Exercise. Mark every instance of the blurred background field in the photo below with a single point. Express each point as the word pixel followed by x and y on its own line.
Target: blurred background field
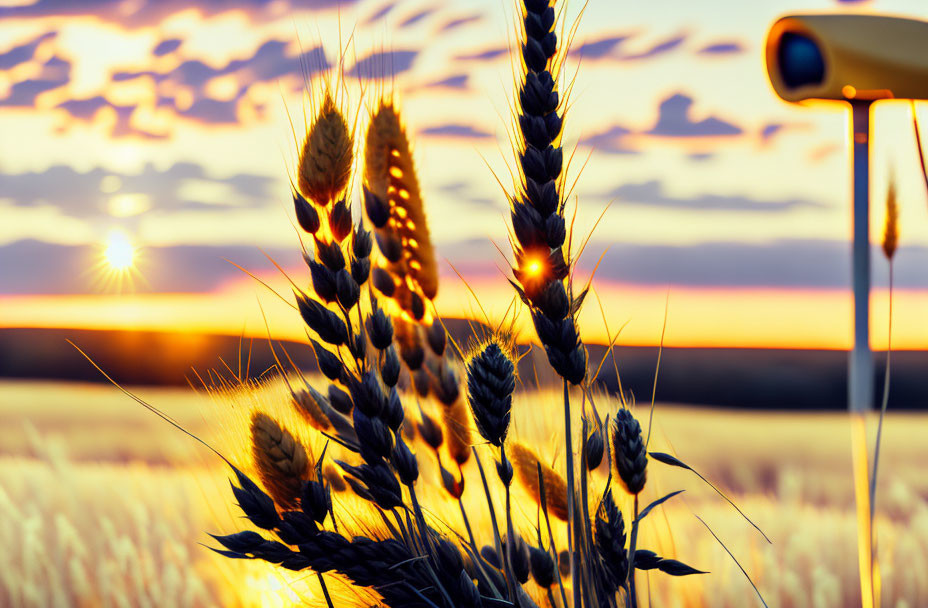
pixel 101 503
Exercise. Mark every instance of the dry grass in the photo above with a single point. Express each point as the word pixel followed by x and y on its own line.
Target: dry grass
pixel 109 505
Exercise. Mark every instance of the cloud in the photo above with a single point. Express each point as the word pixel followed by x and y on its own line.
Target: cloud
pixel 660 48
pixel 55 73
pixel 599 48
pixel 213 111
pixel 485 55
pixel 151 12
pixel 460 22
pixel 81 195
pixel 722 48
pixel 39 267
pixel 651 193
pixel 416 17
pixel 463 191
pixel 674 121
pixel 166 47
pixel 24 52
pixel 699 157
pixel 610 141
pixel 268 63
pixel 456 131
pixel 456 81
pixel 382 65
pixel 86 110
pixel 785 263
pixel 380 13
pixel 771 129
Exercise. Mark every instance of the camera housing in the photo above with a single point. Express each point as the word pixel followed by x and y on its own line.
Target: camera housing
pixel 848 57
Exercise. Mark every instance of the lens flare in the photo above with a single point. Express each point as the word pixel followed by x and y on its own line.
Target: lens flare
pixel 533 268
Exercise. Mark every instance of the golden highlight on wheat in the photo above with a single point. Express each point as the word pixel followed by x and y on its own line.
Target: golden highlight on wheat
pixel 526 463
pixel 891 228
pixel 326 157
pixel 390 175
pixel 457 422
pixel 282 462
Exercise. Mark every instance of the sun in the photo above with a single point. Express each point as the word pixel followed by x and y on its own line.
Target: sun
pixel 116 268
pixel 119 253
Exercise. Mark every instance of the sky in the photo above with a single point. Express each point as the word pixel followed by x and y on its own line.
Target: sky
pixel 161 131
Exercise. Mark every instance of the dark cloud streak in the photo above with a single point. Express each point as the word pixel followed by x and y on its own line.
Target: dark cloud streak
pixel 651 193
pixel 78 194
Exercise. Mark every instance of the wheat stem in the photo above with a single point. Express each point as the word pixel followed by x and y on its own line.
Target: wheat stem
pixel 632 594
pixel 496 537
pixel 325 591
pixel 879 428
pixel 574 582
pixel 510 540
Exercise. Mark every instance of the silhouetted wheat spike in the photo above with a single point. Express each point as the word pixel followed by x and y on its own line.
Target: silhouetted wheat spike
pixel 539 231
pixel 631 458
pixel 490 383
pixel 538 224
pixel 631 464
pixel 610 543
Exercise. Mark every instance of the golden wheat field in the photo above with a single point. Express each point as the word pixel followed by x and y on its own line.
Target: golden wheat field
pixel 103 504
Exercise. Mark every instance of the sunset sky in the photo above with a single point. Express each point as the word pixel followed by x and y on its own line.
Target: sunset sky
pixel 157 133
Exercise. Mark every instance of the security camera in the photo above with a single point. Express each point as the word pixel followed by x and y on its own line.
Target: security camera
pixel 848 57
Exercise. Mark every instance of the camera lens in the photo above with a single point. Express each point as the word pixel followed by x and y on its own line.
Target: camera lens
pixel 801 61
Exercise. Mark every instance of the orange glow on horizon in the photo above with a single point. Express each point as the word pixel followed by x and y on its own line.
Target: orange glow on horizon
pixel 698 317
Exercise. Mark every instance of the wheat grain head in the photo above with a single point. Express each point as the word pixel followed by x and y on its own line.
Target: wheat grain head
pixel 280 459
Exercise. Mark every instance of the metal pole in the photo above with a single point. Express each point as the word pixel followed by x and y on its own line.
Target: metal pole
pixel 860 376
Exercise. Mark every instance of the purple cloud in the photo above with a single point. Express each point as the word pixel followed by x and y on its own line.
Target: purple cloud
pixel 381 65
pixel 416 17
pixel 665 46
pixel 769 130
pixel 380 13
pixel 800 263
pixel 460 22
pixel 722 48
pixel 456 130
pixel 151 12
pixel 55 74
pixel 23 52
pixel 166 47
pixel 674 121
pixel 486 55
pixel 651 194
pixel 77 194
pixel 457 81
pixel 610 141
pixel 597 49
pixel 269 62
